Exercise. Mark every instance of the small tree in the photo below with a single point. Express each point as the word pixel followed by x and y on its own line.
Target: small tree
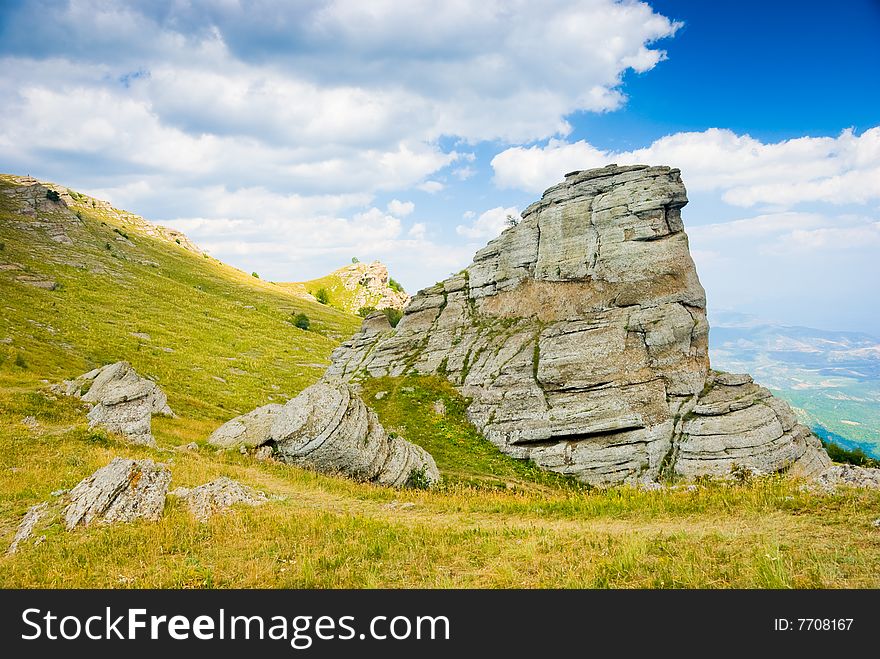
pixel 254 274
pixel 302 321
pixel 355 259
pixel 394 285
pixel 363 312
pixel 511 220
pixel 322 296
pixel 51 195
pixel 393 315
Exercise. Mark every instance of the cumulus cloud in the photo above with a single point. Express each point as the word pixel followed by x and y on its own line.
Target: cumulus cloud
pixel 489 224
pixel 745 171
pixel 400 208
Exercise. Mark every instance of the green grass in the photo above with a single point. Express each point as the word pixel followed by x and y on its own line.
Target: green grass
pixel 493 522
pixel 219 341
pixel 322 531
pixel 462 454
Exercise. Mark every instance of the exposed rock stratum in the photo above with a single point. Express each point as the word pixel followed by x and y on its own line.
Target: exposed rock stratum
pixel 328 428
pixel 580 336
pixel 123 401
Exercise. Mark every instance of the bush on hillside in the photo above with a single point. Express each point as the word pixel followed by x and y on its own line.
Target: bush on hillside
pixel 302 321
pixel 394 285
pixel 322 296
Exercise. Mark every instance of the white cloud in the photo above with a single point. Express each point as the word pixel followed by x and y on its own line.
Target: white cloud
pixel 431 187
pixel 400 208
pixel 747 172
pixel 489 224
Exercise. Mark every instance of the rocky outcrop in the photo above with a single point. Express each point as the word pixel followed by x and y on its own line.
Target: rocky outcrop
pixel 327 427
pixel 580 336
pixel 218 496
pixel 123 491
pixel 57 211
pixel 123 401
pixel 361 285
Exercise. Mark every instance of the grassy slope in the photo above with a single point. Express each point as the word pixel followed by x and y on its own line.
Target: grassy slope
pixel 220 341
pixel 495 522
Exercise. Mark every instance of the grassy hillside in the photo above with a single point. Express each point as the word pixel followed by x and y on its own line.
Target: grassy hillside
pixel 221 342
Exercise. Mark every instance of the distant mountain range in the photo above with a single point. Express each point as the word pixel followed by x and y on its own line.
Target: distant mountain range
pixel 832 378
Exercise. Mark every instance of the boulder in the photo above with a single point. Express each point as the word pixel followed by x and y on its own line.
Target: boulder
pixel 218 496
pixel 123 491
pixel 123 401
pixel 580 337
pixel 28 524
pixel 329 428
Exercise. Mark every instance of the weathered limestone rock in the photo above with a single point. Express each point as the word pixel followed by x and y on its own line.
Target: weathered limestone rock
pixel 249 430
pixel 124 402
pixel 218 496
pixel 329 428
pixel 848 476
pixel 122 491
pixel 580 336
pixel 27 525
pixel 369 285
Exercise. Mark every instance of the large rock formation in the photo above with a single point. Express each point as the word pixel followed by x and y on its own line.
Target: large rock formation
pixel 327 427
pixel 580 335
pixel 124 402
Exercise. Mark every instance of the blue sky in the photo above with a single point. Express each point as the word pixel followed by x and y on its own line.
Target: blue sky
pixel 288 137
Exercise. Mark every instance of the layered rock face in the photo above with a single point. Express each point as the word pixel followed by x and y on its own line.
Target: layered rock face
pixel 581 337
pixel 327 427
pixel 124 402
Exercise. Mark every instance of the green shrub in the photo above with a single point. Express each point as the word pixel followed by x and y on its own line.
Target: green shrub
pixel 51 195
pixel 418 479
pixel 322 296
pixel 355 259
pixel 363 312
pixel 394 285
pixel 302 321
pixel 393 315
pixel 254 274
pixel 850 456
pixel 19 361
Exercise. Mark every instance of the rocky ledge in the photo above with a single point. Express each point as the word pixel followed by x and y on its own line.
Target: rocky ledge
pixel 580 336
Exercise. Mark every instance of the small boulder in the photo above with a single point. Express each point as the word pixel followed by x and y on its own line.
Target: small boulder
pixel 218 496
pixel 124 402
pixel 122 491
pixel 26 527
